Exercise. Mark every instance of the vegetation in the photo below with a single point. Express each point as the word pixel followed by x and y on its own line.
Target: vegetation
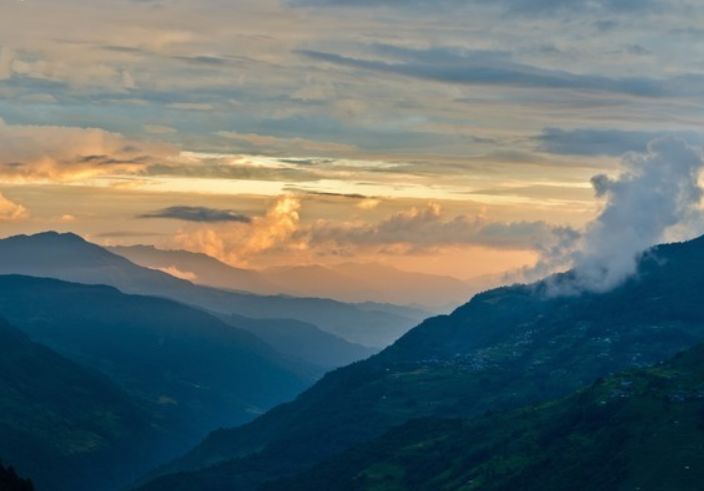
pixel 642 429
pixel 505 349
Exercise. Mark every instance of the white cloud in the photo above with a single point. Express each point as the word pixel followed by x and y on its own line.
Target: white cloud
pixel 657 192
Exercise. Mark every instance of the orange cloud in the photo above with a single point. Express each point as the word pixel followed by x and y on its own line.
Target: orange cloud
pixel 10 211
pixel 238 243
pixel 57 153
pixel 174 271
pixel 279 224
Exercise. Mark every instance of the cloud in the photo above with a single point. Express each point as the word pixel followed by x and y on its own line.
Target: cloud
pixel 237 245
pixel 7 58
pixel 157 129
pixel 10 211
pixel 198 214
pixel 279 224
pixel 254 142
pixel 174 271
pixel 465 67
pixel 59 153
pixel 657 192
pixel 232 166
pixel 528 7
pixel 610 142
pixel 426 228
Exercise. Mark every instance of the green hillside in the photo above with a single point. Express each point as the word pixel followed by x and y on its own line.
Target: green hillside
pixel 505 349
pixel 639 430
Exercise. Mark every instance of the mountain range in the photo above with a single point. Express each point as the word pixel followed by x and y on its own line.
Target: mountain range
pixel 69 257
pixel 505 349
pixel 196 371
pixel 347 282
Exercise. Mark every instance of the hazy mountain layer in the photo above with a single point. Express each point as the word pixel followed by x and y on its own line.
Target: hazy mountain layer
pixel 189 368
pixel 348 282
pixel 69 257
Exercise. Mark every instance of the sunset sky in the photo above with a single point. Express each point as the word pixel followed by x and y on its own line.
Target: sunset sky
pixel 448 136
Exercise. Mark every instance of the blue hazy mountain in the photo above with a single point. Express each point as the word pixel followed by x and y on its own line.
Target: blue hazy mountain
pixel 71 258
pixel 192 370
pixel 505 349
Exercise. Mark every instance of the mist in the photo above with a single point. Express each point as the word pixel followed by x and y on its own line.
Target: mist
pixel 657 193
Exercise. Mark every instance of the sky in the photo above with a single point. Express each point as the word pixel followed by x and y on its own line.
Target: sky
pixel 458 137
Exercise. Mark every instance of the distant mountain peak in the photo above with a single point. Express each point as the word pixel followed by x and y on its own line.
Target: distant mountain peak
pixel 52 234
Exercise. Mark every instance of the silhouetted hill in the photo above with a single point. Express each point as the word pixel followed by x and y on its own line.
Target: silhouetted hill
pixel 506 348
pixel 68 257
pixel 188 367
pixel 66 426
pixel 642 429
pixel 10 481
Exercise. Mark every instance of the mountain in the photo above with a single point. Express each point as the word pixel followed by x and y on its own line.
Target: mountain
pixel 65 425
pixel 10 481
pixel 289 336
pixel 198 268
pixel 347 282
pixel 505 349
pixel 304 341
pixel 362 282
pixel 642 429
pixel 192 370
pixel 68 257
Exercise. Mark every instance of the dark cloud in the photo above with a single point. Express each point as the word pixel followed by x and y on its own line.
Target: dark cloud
pixel 309 192
pixel 611 142
pixel 498 69
pixel 198 214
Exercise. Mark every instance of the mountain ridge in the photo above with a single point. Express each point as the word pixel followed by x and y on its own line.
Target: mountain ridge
pixel 345 282
pixel 71 258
